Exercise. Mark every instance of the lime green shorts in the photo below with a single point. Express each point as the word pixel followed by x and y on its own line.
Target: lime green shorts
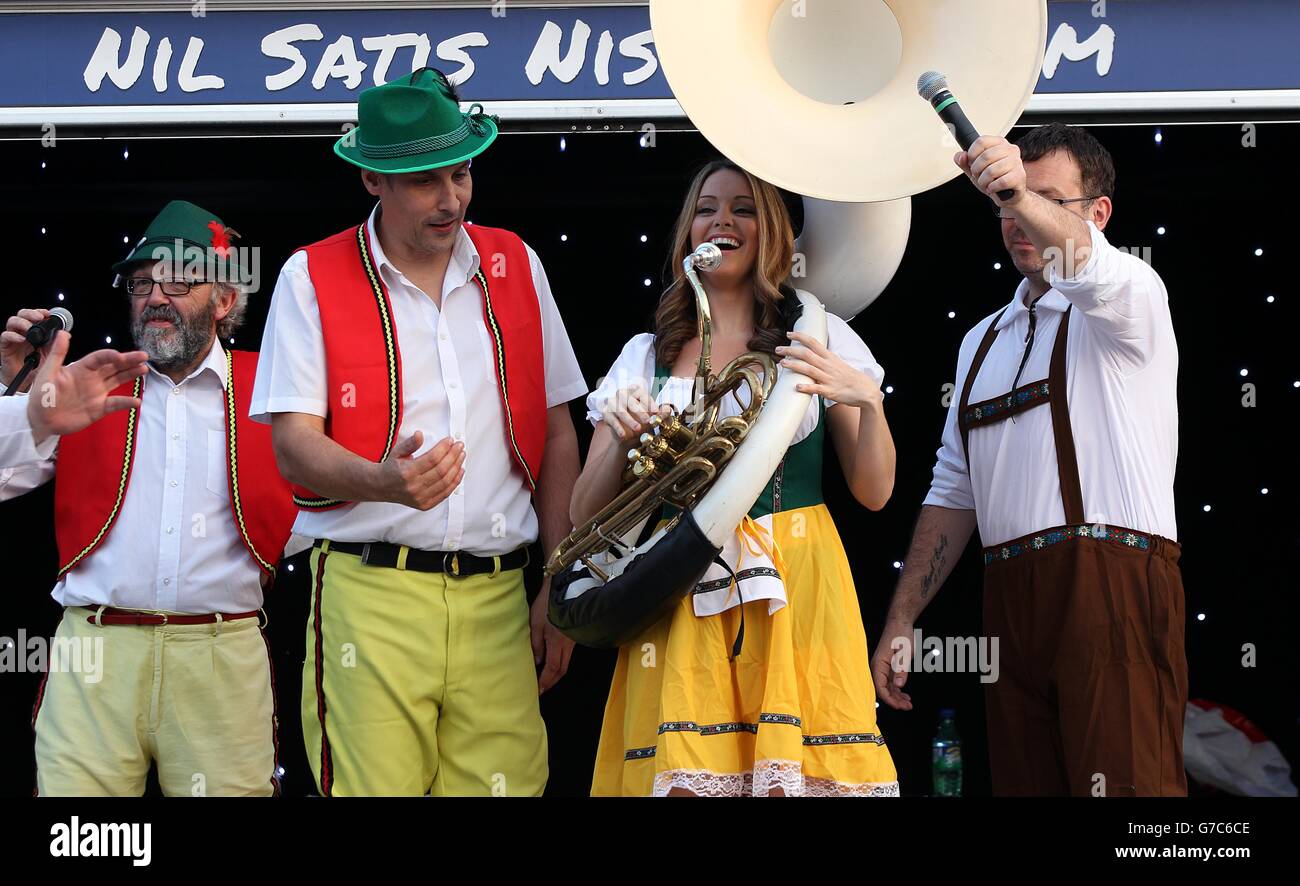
pixel 419 683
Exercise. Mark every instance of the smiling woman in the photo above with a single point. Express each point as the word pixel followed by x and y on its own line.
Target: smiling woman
pixel 764 688
pixel 757 235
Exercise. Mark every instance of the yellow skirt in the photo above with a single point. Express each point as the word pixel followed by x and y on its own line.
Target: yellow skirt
pixel 794 714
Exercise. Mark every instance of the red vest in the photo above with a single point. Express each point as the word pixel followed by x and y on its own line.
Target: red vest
pixel 363 366
pixel 95 467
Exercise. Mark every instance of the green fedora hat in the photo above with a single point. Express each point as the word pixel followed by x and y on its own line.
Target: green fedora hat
pixel 414 123
pixel 199 235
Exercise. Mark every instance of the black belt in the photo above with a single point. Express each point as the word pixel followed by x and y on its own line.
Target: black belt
pixel 455 563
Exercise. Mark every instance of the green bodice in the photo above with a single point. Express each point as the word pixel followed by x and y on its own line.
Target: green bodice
pixel 797 481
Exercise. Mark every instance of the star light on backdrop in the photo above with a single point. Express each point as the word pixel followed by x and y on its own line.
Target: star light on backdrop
pixel 625 199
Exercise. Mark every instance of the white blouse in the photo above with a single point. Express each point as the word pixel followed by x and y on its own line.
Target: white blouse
pixel 636 365
pixel 747 555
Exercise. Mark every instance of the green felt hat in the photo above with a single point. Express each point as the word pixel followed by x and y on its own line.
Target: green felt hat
pixel 414 123
pixel 188 227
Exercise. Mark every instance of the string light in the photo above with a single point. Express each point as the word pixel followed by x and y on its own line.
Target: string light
pixel 564 144
pixel 1245 372
pixel 997 266
pixel 952 315
pixel 1206 509
pixel 1161 230
pixel 647 281
pixel 1160 137
pixel 1264 491
pixel 564 238
pixel 1258 252
pixel 1270 299
pixel 898 565
pixel 644 238
pixel 1200 616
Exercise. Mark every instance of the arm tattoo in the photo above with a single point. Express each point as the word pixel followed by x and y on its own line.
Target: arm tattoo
pixel 937 561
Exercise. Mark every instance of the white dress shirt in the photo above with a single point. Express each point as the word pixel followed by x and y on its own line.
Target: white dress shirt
pixel 447 370
pixel 1122 369
pixel 636 366
pixel 175 546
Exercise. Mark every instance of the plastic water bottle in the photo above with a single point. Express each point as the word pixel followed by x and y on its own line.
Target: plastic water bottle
pixel 946 756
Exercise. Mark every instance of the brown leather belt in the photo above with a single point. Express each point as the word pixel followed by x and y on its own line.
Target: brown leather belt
pixel 107 615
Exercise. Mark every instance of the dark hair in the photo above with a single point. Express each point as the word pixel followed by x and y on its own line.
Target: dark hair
pixel 1096 168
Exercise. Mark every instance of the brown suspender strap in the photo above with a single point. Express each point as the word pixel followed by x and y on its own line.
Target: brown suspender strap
pixel 983 351
pixel 1067 462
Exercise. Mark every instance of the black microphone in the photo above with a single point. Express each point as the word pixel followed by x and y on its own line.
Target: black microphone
pixel 933 87
pixel 42 333
pixel 38 335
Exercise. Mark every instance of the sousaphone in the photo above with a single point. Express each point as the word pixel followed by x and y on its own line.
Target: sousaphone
pixel 817 97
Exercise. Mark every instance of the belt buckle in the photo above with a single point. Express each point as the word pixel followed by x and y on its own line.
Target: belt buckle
pixel 161 615
pixel 365 554
pixel 452 568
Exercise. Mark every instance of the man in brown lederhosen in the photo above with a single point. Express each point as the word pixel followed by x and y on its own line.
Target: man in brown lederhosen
pixel 1062 447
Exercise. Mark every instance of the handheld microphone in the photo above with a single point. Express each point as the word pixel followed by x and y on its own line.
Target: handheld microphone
pixel 933 87
pixel 39 335
pixel 42 333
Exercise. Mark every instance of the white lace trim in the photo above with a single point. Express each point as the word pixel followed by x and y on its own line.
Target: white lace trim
pixel 767 776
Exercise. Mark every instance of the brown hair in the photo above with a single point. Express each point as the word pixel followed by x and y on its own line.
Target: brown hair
pixel 675 318
pixel 1096 168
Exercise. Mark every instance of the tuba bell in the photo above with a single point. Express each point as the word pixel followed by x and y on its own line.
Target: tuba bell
pixel 819 99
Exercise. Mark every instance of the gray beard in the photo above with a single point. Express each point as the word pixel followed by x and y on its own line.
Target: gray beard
pixel 178 346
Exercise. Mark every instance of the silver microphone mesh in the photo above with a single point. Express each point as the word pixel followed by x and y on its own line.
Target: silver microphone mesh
pixel 65 315
pixel 930 84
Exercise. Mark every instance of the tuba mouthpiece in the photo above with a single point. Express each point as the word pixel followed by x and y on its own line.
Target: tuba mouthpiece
pixel 707 258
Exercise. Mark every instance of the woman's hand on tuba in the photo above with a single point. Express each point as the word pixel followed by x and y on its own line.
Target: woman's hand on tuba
pixel 629 411
pixel 831 377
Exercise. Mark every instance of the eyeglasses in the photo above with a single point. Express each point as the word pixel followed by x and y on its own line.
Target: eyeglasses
pixel 142 287
pixel 999 210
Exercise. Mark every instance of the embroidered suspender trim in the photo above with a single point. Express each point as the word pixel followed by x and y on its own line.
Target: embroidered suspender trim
pixel 499 351
pixel 1020 400
pixel 132 427
pixel 390 352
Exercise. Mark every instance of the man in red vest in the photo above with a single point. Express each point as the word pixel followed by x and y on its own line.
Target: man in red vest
pixel 416 374
pixel 170 518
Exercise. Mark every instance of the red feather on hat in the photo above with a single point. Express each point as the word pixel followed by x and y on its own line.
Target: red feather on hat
pixel 221 237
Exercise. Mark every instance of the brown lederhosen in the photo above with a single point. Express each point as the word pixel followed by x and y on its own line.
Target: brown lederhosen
pixel 1092 681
